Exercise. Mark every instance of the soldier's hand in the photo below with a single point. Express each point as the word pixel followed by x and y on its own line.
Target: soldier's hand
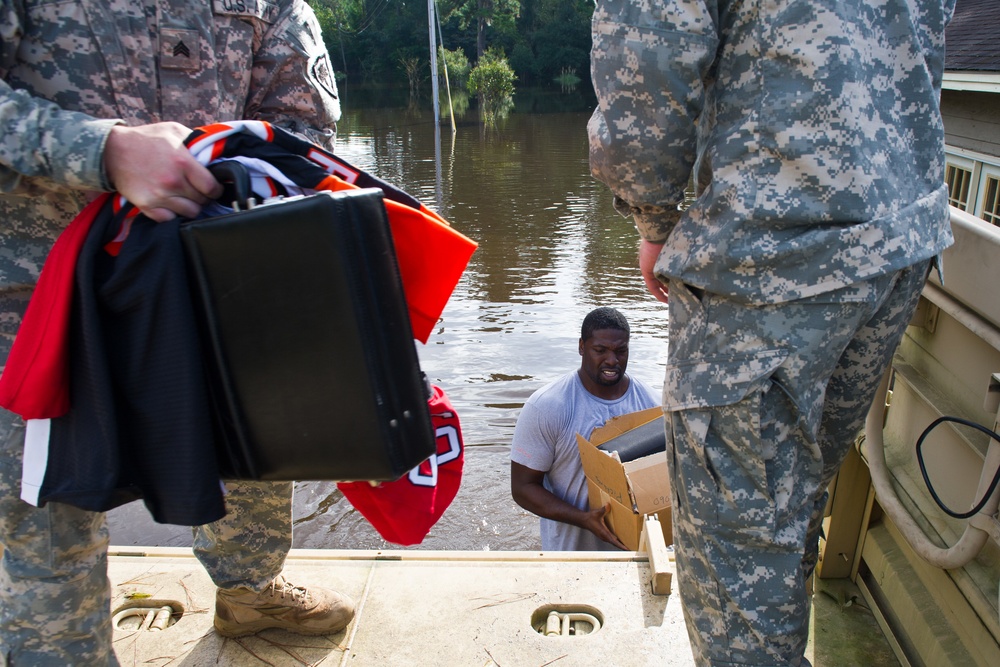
pixel 150 166
pixel 648 252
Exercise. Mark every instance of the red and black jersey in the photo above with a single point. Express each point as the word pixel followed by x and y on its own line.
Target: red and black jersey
pixel 107 365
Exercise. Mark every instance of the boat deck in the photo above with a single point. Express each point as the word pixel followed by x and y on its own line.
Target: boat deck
pixel 452 608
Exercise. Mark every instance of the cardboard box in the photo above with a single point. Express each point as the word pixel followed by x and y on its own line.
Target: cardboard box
pixel 635 488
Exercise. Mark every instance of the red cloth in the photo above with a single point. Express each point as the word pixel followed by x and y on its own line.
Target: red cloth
pixel 431 256
pixel 35 383
pixel 405 510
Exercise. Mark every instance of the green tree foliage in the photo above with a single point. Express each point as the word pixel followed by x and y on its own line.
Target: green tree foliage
pixel 374 38
pixel 553 37
pixel 483 14
pixel 338 18
pixel 492 80
pixel 368 39
pixel 338 14
pixel 458 66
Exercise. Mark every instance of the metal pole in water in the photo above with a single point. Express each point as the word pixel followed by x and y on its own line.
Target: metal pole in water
pixel 434 70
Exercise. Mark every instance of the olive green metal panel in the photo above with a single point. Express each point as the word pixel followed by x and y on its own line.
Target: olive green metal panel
pixel 944 367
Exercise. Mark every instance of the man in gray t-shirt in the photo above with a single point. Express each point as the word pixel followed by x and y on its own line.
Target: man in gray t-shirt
pixel 546 476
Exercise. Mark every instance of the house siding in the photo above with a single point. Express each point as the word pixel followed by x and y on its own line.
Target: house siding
pixel 971 121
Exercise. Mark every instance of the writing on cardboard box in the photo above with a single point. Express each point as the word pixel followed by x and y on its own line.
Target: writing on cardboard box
pixel 614 493
pixel 660 501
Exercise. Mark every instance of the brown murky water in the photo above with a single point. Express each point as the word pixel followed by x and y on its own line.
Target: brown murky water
pixel 551 249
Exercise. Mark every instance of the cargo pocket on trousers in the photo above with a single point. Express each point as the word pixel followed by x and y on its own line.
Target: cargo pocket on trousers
pixel 729 391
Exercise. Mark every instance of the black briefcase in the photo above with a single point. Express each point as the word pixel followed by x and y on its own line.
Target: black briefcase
pixel 314 370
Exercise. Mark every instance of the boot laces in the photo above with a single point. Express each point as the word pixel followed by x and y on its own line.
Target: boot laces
pixel 283 588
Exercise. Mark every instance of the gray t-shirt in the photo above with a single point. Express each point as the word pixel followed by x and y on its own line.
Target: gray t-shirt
pixel 545 440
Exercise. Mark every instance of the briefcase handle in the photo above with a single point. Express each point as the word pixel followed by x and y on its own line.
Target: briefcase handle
pixel 235 179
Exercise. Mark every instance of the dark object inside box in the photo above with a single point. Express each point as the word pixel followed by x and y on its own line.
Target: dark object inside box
pixel 315 374
pixel 643 440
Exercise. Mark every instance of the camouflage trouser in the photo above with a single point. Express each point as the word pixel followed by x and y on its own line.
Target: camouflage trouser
pixel 763 403
pixel 55 597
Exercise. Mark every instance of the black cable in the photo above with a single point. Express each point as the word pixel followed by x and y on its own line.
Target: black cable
pixel 923 469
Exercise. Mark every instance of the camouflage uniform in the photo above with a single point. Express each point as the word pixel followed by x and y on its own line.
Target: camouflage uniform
pixel 70 71
pixel 816 143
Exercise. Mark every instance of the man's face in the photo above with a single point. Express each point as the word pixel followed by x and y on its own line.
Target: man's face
pixel 605 356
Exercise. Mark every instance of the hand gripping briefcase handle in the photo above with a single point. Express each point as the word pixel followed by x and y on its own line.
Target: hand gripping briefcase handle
pixel 314 371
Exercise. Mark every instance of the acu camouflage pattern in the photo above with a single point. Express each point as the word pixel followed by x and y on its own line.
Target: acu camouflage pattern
pixel 812 126
pixel 69 71
pixel 755 435
pixel 811 133
pixel 60 589
pixel 60 577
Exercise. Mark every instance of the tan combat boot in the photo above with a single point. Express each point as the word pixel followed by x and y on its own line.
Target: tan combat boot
pixel 312 611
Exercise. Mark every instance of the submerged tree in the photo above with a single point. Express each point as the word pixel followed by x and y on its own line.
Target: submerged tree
pixel 458 66
pixel 492 80
pixel 413 68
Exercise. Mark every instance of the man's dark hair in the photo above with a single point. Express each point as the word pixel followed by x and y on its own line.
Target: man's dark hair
pixel 602 318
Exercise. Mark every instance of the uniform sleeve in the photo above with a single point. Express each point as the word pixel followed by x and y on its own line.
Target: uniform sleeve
pixel 292 80
pixel 39 139
pixel 651 62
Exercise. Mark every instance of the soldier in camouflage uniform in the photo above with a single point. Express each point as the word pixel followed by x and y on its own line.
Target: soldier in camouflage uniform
pixel 98 95
pixel 815 139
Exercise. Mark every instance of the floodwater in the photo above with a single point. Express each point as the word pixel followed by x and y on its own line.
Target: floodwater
pixel 551 248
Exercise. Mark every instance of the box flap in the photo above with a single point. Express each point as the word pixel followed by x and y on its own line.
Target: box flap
pixel 618 425
pixel 649 482
pixel 604 471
